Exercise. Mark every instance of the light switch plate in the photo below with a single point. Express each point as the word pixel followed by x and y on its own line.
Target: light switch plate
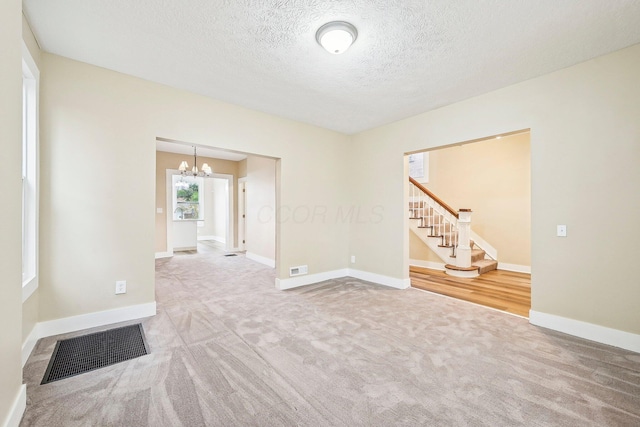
pixel 121 287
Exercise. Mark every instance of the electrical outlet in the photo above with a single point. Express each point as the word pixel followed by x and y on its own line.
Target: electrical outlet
pixel 561 231
pixel 297 271
pixel 121 287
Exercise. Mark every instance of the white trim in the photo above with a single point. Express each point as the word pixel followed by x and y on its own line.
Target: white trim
pixel 185 249
pixel 17 409
pixel 168 191
pixel 92 320
pixel 164 255
pixel 440 266
pixel 30 63
pixel 427 264
pixel 29 288
pixel 31 80
pixel 30 343
pixel 309 279
pixel 464 274
pixel 214 238
pixel 514 267
pixel 242 210
pixel 380 279
pixel 484 245
pixel 227 240
pixel 590 331
pixel 261 259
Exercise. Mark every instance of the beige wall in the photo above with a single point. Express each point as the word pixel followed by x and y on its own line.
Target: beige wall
pixel 585 153
pixel 102 125
pixel 10 218
pixel 492 178
pixel 418 251
pixel 166 161
pixel 261 207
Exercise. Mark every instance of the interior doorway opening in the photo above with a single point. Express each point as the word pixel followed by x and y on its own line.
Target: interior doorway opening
pixel 491 177
pixel 224 210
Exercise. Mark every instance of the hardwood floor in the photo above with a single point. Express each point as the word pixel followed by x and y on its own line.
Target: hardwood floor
pixel 499 289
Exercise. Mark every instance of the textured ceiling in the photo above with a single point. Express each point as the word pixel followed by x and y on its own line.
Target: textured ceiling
pixel 411 56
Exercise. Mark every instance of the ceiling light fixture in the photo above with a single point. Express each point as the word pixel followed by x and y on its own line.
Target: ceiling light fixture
pixel 336 36
pixel 184 167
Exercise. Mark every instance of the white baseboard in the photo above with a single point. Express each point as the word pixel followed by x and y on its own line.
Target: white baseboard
pixel 92 320
pixel 427 264
pixel 30 343
pixel 601 334
pixel 484 245
pixel 262 260
pixel 309 279
pixel 214 238
pixel 17 409
pixel 380 279
pixel 185 249
pixel 440 266
pixel 514 267
pixel 164 255
pixel 29 288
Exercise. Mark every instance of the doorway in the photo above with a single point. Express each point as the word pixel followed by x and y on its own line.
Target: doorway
pixel 491 177
pixel 227 214
pixel 242 213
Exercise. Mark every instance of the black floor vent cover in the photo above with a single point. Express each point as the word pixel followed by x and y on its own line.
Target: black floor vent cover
pixel 78 355
pixel 231 255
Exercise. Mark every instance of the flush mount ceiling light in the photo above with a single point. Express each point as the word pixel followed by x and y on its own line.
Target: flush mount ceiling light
pixel 184 167
pixel 336 36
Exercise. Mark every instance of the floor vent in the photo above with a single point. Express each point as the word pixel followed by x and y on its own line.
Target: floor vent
pixel 75 356
pixel 231 255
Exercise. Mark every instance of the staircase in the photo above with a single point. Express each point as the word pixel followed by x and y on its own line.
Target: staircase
pixel 447 233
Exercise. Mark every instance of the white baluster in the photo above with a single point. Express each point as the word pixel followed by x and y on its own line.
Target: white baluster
pixel 422 203
pixel 463 258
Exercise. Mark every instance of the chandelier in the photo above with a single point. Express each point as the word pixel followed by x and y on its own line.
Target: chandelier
pixel 184 167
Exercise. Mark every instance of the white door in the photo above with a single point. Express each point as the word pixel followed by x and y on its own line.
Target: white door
pixel 242 227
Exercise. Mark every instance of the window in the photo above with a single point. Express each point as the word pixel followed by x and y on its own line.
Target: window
pixel 187 198
pixel 30 77
pixel 419 167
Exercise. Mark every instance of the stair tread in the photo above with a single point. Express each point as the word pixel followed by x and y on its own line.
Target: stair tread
pixel 485 265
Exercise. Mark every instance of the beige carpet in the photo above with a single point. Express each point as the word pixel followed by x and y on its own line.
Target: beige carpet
pixel 228 349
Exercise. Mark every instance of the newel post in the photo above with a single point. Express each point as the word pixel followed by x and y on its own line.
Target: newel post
pixel 463 254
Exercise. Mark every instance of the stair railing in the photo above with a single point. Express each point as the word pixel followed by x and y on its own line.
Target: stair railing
pixel 451 226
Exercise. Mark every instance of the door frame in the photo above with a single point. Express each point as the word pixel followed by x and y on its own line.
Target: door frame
pixel 242 213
